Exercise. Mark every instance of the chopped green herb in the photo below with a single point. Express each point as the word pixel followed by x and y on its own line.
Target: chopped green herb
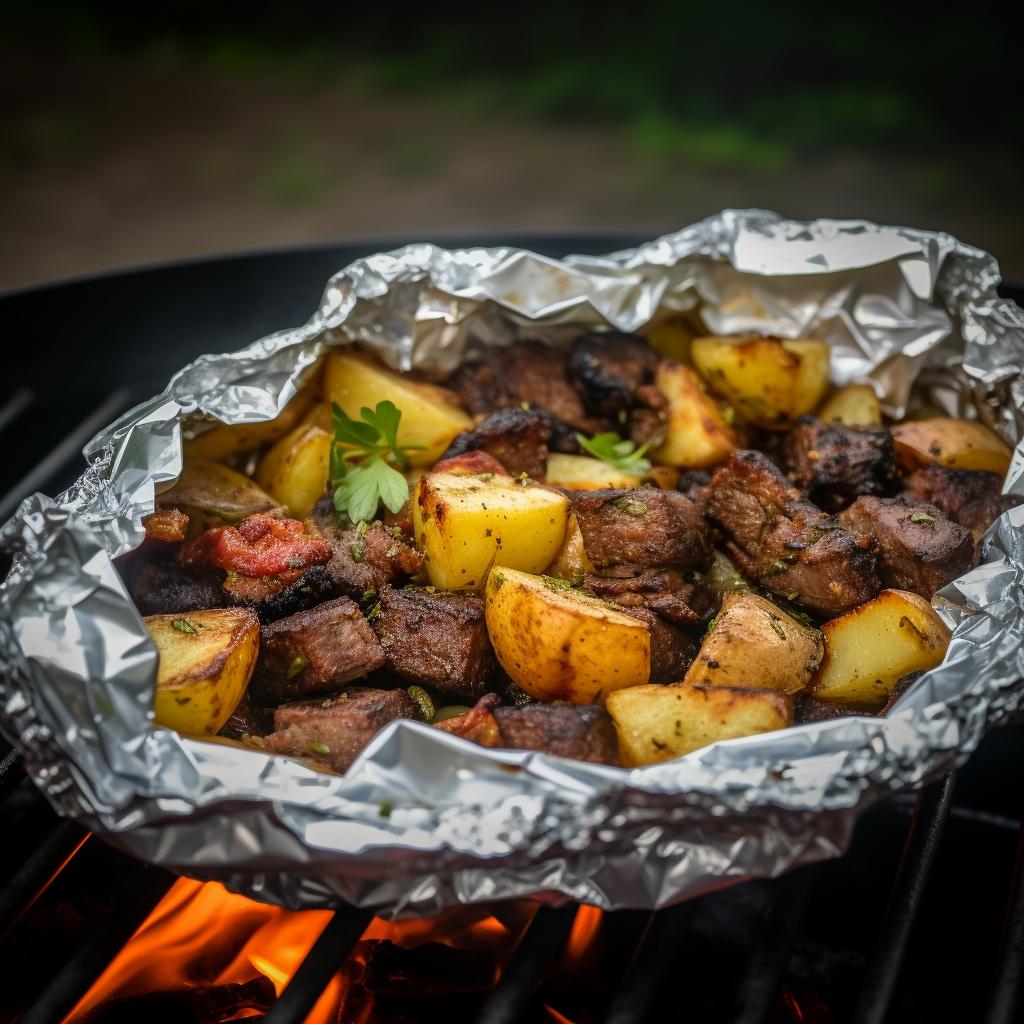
pixel 774 568
pixel 525 406
pixel 484 477
pixel 184 626
pixel 318 748
pixel 386 807
pixel 802 617
pixel 620 454
pixel 356 550
pixel 554 584
pixel 368 595
pixel 778 629
pixel 499 579
pixel 711 626
pixel 729 415
pixel 422 700
pixel 758 403
pixel 373 613
pixel 794 596
pixel 299 662
pixel 631 506
pixel 921 517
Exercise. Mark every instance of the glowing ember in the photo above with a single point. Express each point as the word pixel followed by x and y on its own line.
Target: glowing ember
pixel 556 1017
pixel 584 930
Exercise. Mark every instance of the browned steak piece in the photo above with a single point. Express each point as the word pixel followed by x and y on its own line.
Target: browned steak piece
pixel 436 638
pixel 642 526
pixel 166 588
pixel 516 437
pixel 248 719
pixel 672 651
pixel 272 600
pixel 316 651
pixel 335 730
pixel 664 591
pixel 366 558
pixel 971 497
pixel 584 733
pixel 833 463
pixel 919 548
pixel 787 544
pixel 694 484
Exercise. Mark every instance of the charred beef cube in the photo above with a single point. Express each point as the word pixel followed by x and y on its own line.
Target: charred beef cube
pixel 971 497
pixel 834 464
pixel 316 651
pixel 664 591
pixel 516 437
pixel 919 548
pixel 335 730
pixel 248 719
pixel 367 558
pixel 272 599
pixel 436 638
pixel 694 484
pixel 787 544
pixel 166 588
pixel 584 733
pixel 672 651
pixel 644 527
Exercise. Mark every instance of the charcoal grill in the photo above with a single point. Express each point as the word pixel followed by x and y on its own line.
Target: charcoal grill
pixel 923 920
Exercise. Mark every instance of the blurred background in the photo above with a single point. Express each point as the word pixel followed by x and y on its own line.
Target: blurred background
pixel 139 132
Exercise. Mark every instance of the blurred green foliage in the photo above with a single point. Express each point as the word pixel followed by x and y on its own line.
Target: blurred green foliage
pixel 745 85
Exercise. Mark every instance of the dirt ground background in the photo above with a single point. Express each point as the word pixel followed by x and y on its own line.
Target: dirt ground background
pixel 109 162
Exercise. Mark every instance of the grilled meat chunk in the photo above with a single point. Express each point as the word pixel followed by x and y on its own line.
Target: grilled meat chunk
pixel 644 527
pixel 833 463
pixel 787 544
pixel 273 598
pixel 919 548
pixel 436 638
pixel 584 733
pixel 313 652
pixel 664 591
pixel 672 651
pixel 366 559
pixel 335 730
pixel 166 588
pixel 971 497
pixel 516 437
pixel 694 484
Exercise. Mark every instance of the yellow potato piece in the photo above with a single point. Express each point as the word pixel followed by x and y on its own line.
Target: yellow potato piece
pixel 960 444
pixel 295 469
pixel 769 382
pixel 562 644
pixel 466 524
pixel 754 643
pixel 431 415
pixel 672 338
pixel 659 723
pixel 855 405
pixel 698 435
pixel 583 473
pixel 212 494
pixel 869 649
pixel 206 659
pixel 572 561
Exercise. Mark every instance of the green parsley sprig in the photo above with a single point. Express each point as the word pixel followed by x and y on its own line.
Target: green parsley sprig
pixel 621 454
pixel 367 461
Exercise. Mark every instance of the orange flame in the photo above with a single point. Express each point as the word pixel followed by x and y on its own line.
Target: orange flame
pixel 556 1017
pixel 584 929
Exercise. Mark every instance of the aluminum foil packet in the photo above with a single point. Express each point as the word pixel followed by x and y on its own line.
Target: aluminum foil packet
pixel 424 819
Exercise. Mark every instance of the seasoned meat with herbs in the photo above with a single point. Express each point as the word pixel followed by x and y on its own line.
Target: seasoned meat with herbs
pixel 833 463
pixel 664 591
pixel 642 526
pixel 672 651
pixel 274 597
pixel 694 484
pixel 368 557
pixel 313 652
pixel 971 497
pixel 919 548
pixel 516 437
pixel 787 544
pixel 166 588
pixel 436 638
pixel 335 730
pixel 582 732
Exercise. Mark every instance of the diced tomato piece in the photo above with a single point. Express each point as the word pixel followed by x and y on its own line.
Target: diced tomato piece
pixel 258 546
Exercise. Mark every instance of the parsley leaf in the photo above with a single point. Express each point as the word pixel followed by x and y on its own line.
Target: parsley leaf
pixel 622 455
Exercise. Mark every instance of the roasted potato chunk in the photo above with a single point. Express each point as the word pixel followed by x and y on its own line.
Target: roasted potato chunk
pixel 769 382
pixel 557 643
pixel 698 435
pixel 659 723
pixel 855 405
pixel 206 659
pixel 295 470
pixel 572 560
pixel 869 649
pixel 466 524
pixel 959 444
pixel 582 473
pixel 754 643
pixel 672 338
pixel 431 415
pixel 213 495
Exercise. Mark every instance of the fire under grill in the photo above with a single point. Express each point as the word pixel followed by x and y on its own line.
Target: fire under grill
pixel 923 920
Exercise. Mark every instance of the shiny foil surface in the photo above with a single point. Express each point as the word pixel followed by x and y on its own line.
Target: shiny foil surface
pixel 424 819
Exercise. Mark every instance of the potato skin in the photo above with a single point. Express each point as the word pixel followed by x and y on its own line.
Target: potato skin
pixel 211 495
pixel 572 561
pixel 870 648
pixel 855 405
pixel 295 470
pixel 770 382
pixel 697 436
pixel 959 444
pixel 659 723
pixel 206 659
pixel 754 643
pixel 560 644
pixel 465 524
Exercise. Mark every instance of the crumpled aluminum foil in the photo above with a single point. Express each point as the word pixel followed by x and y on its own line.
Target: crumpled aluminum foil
pixel 424 819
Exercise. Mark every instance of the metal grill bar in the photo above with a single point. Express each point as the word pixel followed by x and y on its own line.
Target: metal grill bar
pixel 12 772
pixel 911 880
pixel 320 965
pixel 15 406
pixel 149 888
pixel 33 877
pixel 1005 995
pixel 543 942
